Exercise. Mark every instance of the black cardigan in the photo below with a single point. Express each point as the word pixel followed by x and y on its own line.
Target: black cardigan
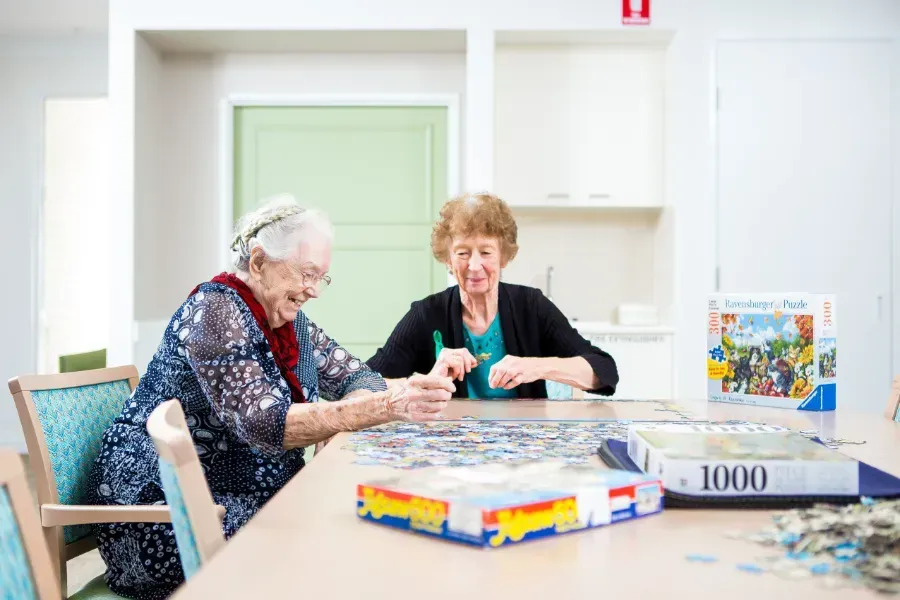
pixel 532 326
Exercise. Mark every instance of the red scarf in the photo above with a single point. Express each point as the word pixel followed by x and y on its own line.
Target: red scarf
pixel 282 340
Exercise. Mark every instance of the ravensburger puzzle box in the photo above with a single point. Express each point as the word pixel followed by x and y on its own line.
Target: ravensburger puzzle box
pixel 773 350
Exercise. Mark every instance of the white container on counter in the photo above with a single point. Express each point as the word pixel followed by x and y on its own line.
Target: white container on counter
pixel 637 314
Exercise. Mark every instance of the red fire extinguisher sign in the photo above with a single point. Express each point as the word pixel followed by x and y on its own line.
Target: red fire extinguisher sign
pixel 635 12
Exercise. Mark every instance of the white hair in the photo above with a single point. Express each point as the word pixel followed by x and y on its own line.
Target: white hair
pixel 278 226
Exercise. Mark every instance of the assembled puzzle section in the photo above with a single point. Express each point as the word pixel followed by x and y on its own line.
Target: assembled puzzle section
pixel 773 350
pixel 496 505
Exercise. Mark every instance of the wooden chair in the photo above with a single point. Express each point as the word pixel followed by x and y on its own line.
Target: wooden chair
pixel 63 418
pixel 892 410
pixel 85 361
pixel 26 571
pixel 198 527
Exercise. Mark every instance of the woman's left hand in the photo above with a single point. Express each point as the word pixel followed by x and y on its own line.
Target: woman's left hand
pixel 511 371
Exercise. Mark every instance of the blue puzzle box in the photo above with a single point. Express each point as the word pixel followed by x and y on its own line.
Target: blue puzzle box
pixel 776 350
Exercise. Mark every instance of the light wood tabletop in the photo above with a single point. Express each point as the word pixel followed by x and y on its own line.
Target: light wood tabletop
pixel 308 542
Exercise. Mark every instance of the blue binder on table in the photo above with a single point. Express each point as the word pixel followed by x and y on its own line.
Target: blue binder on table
pixel 873 483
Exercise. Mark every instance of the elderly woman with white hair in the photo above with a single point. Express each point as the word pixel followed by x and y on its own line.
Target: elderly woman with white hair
pixel 249 369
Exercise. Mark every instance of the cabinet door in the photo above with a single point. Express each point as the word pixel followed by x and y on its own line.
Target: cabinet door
pixel 617 108
pixel 533 126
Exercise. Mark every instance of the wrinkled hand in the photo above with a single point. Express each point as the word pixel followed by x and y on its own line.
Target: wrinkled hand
pixel 420 398
pixel 511 371
pixel 454 363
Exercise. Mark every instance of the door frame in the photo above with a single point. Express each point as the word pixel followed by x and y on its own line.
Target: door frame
pixel 226 139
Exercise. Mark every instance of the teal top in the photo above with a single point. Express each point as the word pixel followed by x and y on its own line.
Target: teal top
pixel 491 342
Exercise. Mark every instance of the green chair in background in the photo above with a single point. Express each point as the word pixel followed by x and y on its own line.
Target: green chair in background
pixel 85 361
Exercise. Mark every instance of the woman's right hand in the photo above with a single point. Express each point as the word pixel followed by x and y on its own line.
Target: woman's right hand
pixel 454 363
pixel 420 398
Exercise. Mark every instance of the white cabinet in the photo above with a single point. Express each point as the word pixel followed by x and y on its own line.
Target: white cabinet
pixel 643 355
pixel 580 125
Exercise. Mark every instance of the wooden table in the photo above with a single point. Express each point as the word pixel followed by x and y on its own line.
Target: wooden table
pixel 307 541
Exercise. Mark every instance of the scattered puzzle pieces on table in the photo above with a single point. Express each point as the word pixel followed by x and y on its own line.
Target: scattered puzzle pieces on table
pixel 470 441
pixel 839 546
pixel 702 558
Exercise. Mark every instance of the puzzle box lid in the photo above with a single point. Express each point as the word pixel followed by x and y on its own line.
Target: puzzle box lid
pixel 498 485
pixel 693 442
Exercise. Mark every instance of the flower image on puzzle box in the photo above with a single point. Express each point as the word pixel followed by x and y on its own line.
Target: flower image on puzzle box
pixel 768 354
pixel 827 358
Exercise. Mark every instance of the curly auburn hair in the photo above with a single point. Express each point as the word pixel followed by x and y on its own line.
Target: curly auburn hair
pixel 480 214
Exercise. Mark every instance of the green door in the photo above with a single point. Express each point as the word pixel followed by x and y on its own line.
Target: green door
pixel 380 173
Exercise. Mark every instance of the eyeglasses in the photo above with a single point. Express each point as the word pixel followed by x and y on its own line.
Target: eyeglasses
pixel 313 280
pixel 308 278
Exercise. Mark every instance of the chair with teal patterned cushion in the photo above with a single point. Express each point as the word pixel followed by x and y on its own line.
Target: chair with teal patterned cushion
pixel 563 391
pixel 26 571
pixel 195 517
pixel 892 410
pixel 63 418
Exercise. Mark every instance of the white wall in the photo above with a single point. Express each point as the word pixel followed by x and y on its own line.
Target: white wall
pixel 689 149
pixel 32 68
pixel 183 203
pixel 588 283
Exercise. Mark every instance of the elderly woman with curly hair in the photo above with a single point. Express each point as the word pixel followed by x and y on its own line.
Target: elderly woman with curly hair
pixel 500 340
pixel 249 369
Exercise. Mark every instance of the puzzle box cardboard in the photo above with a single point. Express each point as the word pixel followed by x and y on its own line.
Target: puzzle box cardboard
pixel 775 350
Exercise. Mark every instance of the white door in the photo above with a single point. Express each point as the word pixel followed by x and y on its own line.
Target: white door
pixel 804 189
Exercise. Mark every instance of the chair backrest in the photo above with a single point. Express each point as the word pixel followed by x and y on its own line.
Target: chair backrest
pixel 198 531
pixel 85 361
pixel 26 570
pixel 63 418
pixel 892 410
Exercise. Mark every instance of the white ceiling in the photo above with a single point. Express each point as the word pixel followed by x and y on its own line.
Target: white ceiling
pixel 53 16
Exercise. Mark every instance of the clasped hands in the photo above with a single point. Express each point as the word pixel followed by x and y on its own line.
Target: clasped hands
pixel 507 373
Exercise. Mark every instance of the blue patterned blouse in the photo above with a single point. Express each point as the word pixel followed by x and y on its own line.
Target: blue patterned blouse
pixel 216 360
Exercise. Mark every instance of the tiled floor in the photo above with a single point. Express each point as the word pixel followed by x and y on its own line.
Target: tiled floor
pixel 81 569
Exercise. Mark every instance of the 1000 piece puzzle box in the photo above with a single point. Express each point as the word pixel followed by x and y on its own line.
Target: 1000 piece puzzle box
pixel 773 350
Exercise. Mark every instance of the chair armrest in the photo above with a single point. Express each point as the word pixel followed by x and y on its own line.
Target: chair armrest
pixel 54 515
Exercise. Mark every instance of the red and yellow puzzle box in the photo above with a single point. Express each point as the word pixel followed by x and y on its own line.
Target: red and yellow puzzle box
pixel 493 505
